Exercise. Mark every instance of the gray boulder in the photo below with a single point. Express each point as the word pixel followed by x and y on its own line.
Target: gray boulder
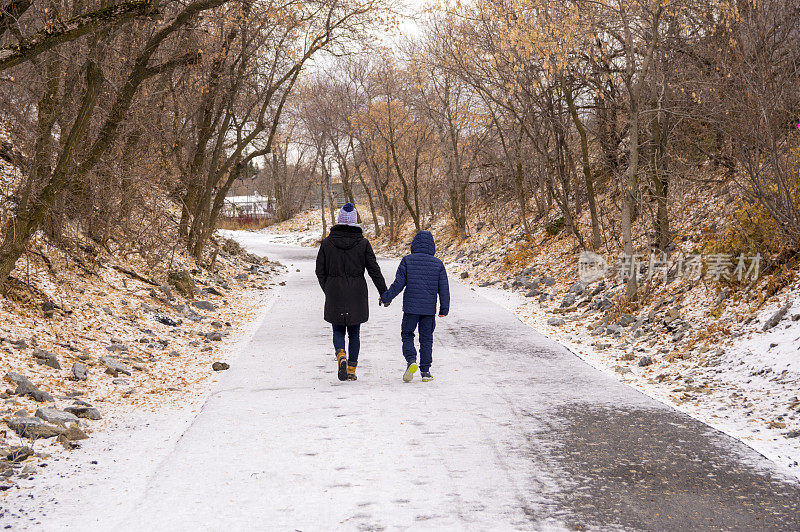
pixel 548 281
pixel 80 371
pixel 464 275
pixel 577 288
pixel 568 300
pixel 555 322
pixel 33 427
pixel 55 416
pixel 46 358
pixel 778 316
pixel 626 319
pixel 189 313
pixel 86 412
pixel 19 344
pixel 28 388
pixel 19 454
pixel 600 302
pixel 205 305
pixel 117 348
pixel 16 378
pixel 166 290
pixel 73 433
pixel 645 361
pixel 114 366
pixel 520 280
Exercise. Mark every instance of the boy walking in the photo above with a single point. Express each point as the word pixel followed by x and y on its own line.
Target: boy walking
pixel 424 278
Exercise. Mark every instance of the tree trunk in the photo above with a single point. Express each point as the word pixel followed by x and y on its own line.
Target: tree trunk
pixel 521 197
pixel 370 200
pixel 628 198
pixel 322 203
pixel 71 29
pixel 587 169
pixel 27 220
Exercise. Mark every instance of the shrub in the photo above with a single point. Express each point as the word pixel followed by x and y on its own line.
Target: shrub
pixel 231 246
pixel 553 227
pixel 751 229
pixel 520 255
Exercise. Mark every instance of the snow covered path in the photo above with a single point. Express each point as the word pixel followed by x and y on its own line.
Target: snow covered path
pixel 515 432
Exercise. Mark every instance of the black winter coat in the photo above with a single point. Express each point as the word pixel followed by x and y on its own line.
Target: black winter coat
pixel 343 256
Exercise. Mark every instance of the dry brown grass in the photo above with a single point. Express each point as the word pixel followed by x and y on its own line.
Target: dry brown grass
pixel 244 223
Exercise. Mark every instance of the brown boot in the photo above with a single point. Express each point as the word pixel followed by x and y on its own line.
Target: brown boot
pixel 341 362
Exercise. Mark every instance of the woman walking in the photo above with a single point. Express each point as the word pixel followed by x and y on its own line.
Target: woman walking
pixel 343 256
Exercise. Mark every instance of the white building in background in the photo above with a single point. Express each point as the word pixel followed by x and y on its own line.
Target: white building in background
pixel 255 205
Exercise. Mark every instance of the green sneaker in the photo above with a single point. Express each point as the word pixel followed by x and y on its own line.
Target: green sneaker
pixel 426 376
pixel 410 370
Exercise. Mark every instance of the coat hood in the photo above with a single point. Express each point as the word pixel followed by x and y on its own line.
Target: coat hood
pixel 345 236
pixel 423 243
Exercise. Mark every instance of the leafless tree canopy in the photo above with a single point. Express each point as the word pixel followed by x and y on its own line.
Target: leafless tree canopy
pixel 133 120
pixel 537 105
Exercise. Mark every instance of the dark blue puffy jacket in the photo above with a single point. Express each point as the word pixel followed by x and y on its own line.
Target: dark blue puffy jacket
pixel 423 276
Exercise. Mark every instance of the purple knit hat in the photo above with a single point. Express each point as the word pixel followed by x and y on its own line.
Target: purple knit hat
pixel 348 215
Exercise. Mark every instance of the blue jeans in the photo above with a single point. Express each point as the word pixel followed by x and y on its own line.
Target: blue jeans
pixel 426 325
pixel 354 344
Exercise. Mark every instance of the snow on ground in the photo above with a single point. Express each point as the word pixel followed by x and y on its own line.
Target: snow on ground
pixel 100 479
pixel 750 393
pixel 514 433
pixel 305 229
pixel 727 373
pixel 167 342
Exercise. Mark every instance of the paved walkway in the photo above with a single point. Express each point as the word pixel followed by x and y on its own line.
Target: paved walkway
pixel 515 432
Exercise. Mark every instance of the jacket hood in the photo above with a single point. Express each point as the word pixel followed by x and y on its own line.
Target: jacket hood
pixel 345 236
pixel 423 243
